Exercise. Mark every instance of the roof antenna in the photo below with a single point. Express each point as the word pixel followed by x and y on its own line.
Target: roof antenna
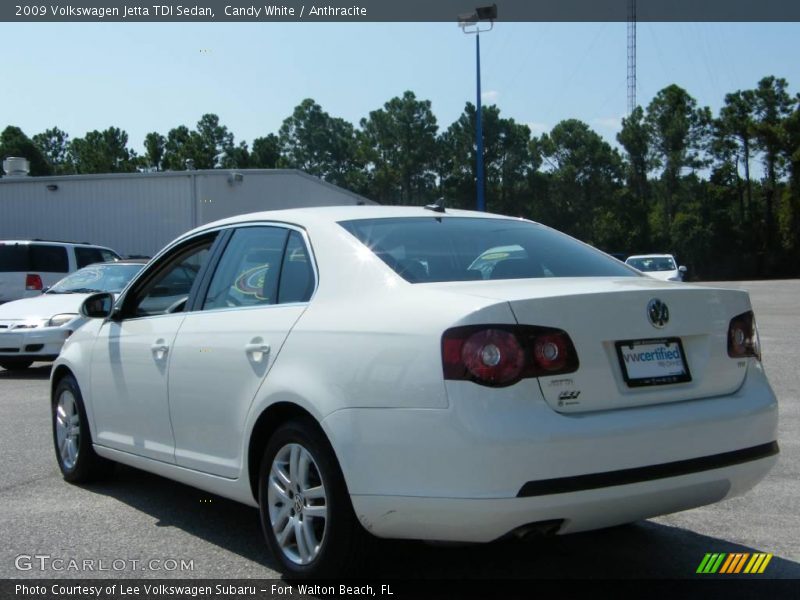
pixel 437 206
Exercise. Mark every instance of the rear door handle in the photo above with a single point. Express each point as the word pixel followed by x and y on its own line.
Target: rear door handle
pixel 159 349
pixel 257 350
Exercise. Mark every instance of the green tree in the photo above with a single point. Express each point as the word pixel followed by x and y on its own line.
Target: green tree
pixel 154 149
pixel 789 216
pixel 508 165
pixel 679 134
pixel 635 138
pixel 585 178
pixel 204 148
pixel 313 141
pixel 734 131
pixel 53 143
pixel 103 152
pixel 507 161
pixel 237 157
pixel 214 142
pixel 14 142
pixel 266 152
pixel 181 146
pixel 773 105
pixel 398 145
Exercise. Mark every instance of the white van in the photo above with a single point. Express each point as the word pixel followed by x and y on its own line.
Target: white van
pixel 29 266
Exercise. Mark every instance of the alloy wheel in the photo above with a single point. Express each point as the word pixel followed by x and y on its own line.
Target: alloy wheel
pixel 298 504
pixel 68 429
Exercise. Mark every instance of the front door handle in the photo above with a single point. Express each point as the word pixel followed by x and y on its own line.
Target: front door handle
pixel 159 349
pixel 257 350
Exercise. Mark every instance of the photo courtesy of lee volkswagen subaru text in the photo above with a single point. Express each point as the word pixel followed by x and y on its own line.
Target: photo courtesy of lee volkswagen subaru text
pixel 420 373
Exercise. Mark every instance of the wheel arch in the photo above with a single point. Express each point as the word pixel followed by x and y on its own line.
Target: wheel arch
pixel 59 372
pixel 272 417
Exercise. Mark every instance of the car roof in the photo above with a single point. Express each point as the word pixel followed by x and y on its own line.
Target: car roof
pixel 54 243
pixel 334 214
pixel 650 256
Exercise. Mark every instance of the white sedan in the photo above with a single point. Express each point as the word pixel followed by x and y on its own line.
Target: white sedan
pixel 34 329
pixel 659 266
pixel 347 372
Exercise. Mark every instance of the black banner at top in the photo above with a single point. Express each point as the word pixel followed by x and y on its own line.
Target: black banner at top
pixel 255 11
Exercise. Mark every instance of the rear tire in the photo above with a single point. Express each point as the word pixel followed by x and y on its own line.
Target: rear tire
pixel 71 436
pixel 306 513
pixel 15 364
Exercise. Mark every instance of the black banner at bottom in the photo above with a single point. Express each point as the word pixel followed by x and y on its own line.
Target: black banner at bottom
pixel 276 589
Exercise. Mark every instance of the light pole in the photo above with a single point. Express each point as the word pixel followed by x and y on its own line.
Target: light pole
pixel 470 23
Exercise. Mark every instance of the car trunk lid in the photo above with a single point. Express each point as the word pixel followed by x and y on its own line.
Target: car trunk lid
pixel 600 313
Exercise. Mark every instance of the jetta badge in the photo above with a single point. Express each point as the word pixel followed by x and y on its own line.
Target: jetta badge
pixel 658 313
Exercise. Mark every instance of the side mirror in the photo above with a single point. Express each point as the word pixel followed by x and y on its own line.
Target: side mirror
pixel 98 306
pixel 682 269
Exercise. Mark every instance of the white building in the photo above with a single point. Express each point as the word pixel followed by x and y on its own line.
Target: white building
pixel 138 213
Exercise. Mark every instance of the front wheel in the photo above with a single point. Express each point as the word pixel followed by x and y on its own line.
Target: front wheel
pixel 306 513
pixel 73 443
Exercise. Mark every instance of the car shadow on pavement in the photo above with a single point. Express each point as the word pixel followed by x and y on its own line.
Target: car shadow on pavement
pixel 219 521
pixel 645 549
pixel 37 371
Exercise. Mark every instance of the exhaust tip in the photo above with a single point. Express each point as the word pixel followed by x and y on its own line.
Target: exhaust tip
pixel 537 530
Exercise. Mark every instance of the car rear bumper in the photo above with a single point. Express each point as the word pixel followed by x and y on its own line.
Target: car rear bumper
pixel 487 519
pixel 37 344
pixel 485 466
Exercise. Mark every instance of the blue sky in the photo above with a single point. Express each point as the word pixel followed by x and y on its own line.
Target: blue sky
pixel 155 76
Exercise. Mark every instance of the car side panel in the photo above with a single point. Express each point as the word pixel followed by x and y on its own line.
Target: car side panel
pixel 214 377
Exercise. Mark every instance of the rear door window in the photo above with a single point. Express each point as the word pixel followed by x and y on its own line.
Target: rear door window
pixel 48 259
pixel 87 256
pixel 297 276
pixel 108 255
pixel 247 274
pixel 14 258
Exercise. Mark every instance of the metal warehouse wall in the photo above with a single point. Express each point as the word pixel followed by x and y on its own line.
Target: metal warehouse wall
pixel 139 213
pixel 220 195
pixel 132 216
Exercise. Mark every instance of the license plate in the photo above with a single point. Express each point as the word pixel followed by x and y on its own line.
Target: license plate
pixel 653 362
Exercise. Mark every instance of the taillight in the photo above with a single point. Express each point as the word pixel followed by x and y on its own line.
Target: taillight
pixel 743 336
pixel 33 282
pixel 501 355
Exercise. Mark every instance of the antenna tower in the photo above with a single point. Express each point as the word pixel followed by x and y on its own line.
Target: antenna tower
pixel 631 55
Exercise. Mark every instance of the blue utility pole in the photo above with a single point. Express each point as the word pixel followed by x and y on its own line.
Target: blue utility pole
pixel 479 131
pixel 471 23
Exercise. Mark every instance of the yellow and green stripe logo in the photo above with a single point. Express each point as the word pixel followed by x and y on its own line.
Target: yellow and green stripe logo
pixel 730 564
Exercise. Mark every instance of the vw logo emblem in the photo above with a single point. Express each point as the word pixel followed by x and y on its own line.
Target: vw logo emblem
pixel 658 313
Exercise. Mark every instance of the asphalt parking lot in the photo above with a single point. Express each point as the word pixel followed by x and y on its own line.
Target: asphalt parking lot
pixel 140 517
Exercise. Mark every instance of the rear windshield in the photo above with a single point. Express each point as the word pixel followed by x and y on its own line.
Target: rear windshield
pixel 428 249
pixel 37 258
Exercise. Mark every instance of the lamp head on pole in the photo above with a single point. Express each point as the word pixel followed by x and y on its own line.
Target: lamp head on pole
pixel 470 22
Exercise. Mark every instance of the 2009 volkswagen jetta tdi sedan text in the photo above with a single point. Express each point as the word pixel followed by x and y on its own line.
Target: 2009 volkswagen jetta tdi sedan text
pixel 410 373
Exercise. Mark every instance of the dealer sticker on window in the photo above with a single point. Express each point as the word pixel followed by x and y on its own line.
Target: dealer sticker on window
pixel 653 362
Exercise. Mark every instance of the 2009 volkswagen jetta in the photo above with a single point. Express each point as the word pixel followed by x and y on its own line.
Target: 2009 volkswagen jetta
pixel 413 373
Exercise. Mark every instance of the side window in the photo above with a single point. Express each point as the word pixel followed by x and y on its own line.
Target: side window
pixel 247 274
pixel 169 288
pixel 87 256
pixel 49 259
pixel 108 255
pixel 14 257
pixel 297 276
